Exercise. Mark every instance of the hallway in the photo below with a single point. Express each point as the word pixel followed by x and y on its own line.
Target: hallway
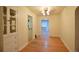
pixel 21 28
pixel 45 45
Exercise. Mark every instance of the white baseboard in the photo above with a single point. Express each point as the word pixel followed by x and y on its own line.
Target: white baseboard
pixel 22 47
pixel 65 44
pixel 54 36
pixel 25 45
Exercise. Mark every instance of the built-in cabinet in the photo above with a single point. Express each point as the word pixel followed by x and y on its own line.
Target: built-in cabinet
pixel 9 22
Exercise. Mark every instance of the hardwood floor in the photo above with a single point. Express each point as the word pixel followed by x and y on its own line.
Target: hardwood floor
pixel 45 45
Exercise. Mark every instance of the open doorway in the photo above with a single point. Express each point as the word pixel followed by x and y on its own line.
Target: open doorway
pixel 44 28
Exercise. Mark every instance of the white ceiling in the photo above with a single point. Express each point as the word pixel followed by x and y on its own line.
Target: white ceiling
pixel 53 9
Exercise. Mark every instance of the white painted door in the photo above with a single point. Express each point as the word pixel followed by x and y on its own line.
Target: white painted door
pixel 30 28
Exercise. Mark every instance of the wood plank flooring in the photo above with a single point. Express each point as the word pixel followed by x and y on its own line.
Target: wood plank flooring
pixel 45 45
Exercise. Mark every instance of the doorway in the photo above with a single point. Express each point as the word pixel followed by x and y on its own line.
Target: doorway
pixel 77 29
pixel 44 28
pixel 30 28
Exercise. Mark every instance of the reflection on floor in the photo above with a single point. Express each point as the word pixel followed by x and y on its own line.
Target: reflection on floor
pixel 45 45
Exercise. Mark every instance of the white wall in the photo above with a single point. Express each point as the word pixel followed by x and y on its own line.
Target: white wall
pixel 55 25
pixel 23 13
pixel 68 27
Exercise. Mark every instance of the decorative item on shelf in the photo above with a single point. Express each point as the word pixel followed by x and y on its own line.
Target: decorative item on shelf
pixel 5 24
pixel 5 10
pixel 12 25
pixel 12 21
pixel 12 12
pixel 4 15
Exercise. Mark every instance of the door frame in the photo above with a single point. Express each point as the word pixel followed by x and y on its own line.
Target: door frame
pixel 46 19
pixel 30 18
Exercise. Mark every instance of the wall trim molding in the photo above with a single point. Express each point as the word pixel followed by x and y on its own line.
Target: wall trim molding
pixel 62 42
pixel 54 37
pixel 65 44
pixel 25 45
pixel 22 47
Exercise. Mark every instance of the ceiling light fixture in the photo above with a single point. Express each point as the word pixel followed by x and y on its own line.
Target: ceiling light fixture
pixel 45 11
